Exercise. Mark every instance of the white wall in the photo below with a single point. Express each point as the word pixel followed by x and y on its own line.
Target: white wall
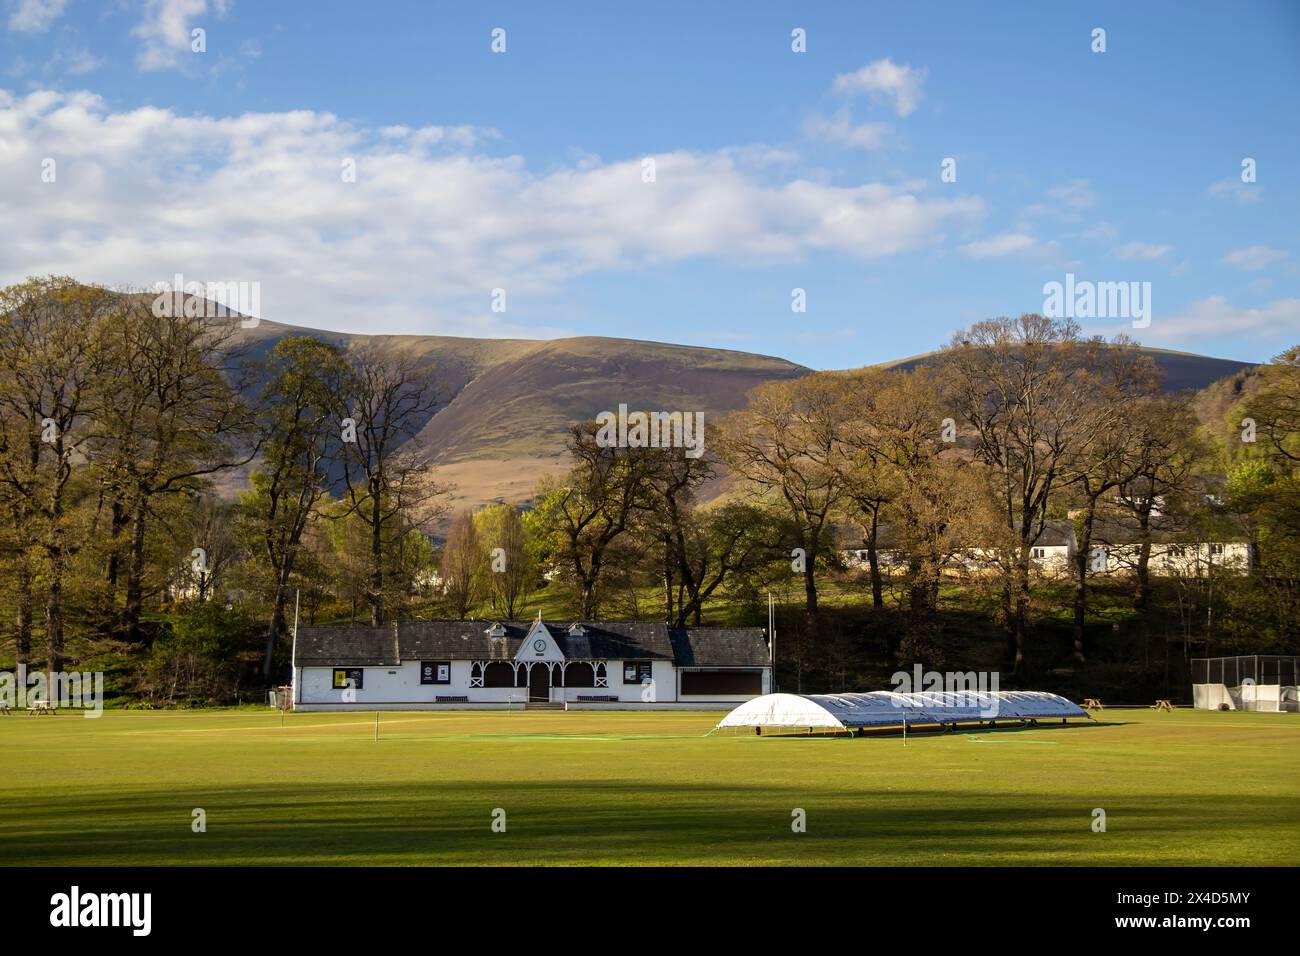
pixel 1195 558
pixel 384 686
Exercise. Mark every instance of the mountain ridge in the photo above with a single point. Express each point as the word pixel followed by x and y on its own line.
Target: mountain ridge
pixel 509 402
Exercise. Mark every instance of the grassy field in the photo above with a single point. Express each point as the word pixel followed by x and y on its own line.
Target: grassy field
pixel 638 788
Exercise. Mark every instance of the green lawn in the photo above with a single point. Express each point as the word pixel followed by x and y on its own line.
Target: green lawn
pixel 638 788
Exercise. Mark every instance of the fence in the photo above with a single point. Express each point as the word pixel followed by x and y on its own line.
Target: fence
pixel 1258 682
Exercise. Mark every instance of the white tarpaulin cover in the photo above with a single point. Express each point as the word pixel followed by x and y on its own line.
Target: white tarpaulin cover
pixel 884 708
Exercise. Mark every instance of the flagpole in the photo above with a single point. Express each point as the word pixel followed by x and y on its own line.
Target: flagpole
pixel 293 652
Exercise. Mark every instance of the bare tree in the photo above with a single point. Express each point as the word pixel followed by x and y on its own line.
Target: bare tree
pixel 1162 458
pixel 462 566
pixel 1024 388
pixel 387 398
pixel 860 461
pixel 591 507
pixel 1126 382
pixel 784 444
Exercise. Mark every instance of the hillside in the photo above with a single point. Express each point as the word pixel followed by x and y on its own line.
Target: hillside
pixel 1182 370
pixel 508 402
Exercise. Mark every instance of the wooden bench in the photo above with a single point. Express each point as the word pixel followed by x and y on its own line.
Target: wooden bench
pixel 597 698
pixel 451 700
pixel 1162 704
pixel 1092 703
pixel 40 707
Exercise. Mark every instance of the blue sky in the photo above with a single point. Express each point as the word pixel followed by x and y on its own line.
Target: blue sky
pixel 774 170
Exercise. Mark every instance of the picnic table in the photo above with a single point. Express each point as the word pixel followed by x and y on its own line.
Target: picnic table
pixel 1092 703
pixel 39 707
pixel 1162 704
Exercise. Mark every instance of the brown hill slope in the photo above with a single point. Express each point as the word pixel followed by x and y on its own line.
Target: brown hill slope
pixel 509 401
pixel 1183 370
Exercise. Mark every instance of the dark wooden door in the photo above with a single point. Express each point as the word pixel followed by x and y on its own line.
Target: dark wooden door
pixel 539 683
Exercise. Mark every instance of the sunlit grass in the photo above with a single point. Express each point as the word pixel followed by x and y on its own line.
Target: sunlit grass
pixel 640 788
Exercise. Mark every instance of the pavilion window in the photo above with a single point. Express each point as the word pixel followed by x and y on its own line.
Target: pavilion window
pixel 634 672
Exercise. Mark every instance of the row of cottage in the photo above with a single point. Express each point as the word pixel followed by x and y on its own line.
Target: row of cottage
pixel 1116 550
pixel 466 664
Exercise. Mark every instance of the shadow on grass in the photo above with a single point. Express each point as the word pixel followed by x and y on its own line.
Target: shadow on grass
pixel 641 822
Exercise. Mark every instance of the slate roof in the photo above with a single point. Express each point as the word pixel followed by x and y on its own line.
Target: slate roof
pixel 720 647
pixel 347 645
pixel 1122 531
pixel 468 640
pixel 1057 533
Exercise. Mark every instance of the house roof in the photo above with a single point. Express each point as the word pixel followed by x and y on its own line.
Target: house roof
pixel 1057 533
pixel 719 647
pixel 347 645
pixel 469 640
pixel 1123 530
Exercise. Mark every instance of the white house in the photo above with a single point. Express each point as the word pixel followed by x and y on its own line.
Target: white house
pixel 419 665
pixel 1052 552
pixel 1187 559
pixel 1115 549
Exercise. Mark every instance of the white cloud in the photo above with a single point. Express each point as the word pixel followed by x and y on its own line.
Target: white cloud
pixel 1101 231
pixel 428 229
pixel 841 129
pixel 1253 258
pixel 81 62
pixel 1001 246
pixel 1217 317
pixel 1141 251
pixel 1076 195
pixel 1067 202
pixel 885 79
pixel 165 30
pixel 1216 320
pixel 34 16
pixel 74 62
pixel 1234 188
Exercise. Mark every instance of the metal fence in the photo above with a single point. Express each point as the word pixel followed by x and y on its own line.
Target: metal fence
pixel 1258 682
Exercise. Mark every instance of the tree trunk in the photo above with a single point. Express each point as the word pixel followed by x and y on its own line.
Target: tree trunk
pixel 54 625
pixel 873 560
pixel 277 625
pixel 113 562
pixel 132 609
pixel 1009 619
pixel 1081 558
pixel 23 615
pixel 810 588
pixel 668 582
pixel 1144 559
pixel 55 558
pixel 376 594
pixel 1022 609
